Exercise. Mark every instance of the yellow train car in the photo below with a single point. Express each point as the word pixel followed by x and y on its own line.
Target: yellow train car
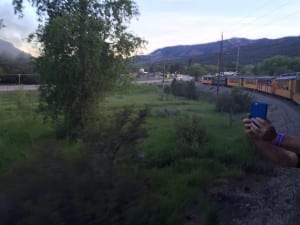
pixel 266 84
pixel 250 82
pixel 296 89
pixel 235 81
pixel 284 86
pixel 207 79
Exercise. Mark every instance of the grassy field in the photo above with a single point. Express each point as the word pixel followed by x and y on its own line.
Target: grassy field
pixel 178 175
pixel 181 177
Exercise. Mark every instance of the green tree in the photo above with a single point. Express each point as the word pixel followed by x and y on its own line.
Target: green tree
pixel 246 70
pixel 276 65
pixel 85 44
pixel 196 70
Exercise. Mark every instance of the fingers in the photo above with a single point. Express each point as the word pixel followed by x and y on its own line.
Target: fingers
pixel 246 120
pixel 247 123
pixel 255 129
pixel 261 122
pixel 258 128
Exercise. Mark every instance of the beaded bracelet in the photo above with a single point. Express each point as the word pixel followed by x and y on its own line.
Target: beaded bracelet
pixel 279 139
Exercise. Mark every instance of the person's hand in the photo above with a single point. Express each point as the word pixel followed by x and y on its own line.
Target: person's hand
pixel 247 128
pixel 263 129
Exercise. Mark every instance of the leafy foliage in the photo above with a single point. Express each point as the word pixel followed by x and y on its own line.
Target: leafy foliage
pixel 20 64
pixel 84 46
pixel 185 89
pixel 234 102
pixel 277 65
pixel 196 70
pixel 94 187
pixel 191 132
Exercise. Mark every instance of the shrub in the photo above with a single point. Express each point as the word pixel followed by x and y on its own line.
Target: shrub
pixel 185 89
pixel 190 132
pixel 234 102
pixel 94 187
pixel 167 89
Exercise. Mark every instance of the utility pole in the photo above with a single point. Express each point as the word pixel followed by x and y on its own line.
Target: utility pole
pixel 220 64
pixel 237 60
pixel 163 81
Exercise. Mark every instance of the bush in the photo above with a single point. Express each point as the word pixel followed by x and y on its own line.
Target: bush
pixel 94 187
pixel 167 89
pixel 234 102
pixel 191 133
pixel 185 89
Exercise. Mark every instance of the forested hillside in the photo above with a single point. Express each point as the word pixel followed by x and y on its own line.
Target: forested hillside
pixel 13 60
pixel 251 51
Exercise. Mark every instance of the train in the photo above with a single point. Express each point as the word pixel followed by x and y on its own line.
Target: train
pixel 285 85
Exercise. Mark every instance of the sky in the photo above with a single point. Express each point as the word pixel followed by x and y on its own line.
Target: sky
pixel 165 23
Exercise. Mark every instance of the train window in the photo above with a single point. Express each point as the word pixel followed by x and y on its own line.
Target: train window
pixel 265 82
pixel 250 81
pixel 234 80
pixel 283 84
pixel 297 86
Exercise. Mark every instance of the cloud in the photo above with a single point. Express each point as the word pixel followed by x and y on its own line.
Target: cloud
pixel 17 29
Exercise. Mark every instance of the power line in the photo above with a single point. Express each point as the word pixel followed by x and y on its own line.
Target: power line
pixel 242 26
pixel 250 14
pixel 258 18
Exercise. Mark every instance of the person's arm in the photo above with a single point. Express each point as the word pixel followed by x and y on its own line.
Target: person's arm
pixel 265 131
pixel 277 155
pixel 291 143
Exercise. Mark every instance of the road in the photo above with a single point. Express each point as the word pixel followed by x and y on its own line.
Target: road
pixel 7 88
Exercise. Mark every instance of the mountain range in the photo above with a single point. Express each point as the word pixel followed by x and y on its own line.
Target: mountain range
pixel 8 50
pixel 250 51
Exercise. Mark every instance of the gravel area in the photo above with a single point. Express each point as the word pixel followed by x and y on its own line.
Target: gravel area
pixel 258 199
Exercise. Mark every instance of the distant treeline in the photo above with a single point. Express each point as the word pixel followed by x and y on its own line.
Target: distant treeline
pixel 15 65
pixel 270 66
pixel 17 70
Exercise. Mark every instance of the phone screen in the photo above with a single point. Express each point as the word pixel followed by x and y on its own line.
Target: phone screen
pixel 259 109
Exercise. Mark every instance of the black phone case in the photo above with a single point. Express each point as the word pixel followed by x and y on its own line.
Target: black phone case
pixel 259 109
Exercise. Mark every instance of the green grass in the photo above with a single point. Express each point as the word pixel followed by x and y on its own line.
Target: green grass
pixel 23 132
pixel 178 177
pixel 181 178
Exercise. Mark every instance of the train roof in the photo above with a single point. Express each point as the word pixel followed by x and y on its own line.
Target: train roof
pixel 208 75
pixel 289 76
pixel 265 77
pixel 234 77
pixel 293 77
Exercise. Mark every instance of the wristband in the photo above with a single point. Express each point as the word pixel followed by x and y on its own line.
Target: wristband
pixel 279 139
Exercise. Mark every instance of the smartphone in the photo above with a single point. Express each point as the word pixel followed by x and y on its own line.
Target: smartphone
pixel 259 109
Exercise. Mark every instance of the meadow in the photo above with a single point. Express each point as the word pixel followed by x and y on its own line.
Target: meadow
pixel 189 147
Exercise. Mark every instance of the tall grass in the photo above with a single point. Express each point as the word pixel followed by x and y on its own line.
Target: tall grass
pixel 23 132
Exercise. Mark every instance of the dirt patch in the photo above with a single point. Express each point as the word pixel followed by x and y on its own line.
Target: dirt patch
pixel 260 200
